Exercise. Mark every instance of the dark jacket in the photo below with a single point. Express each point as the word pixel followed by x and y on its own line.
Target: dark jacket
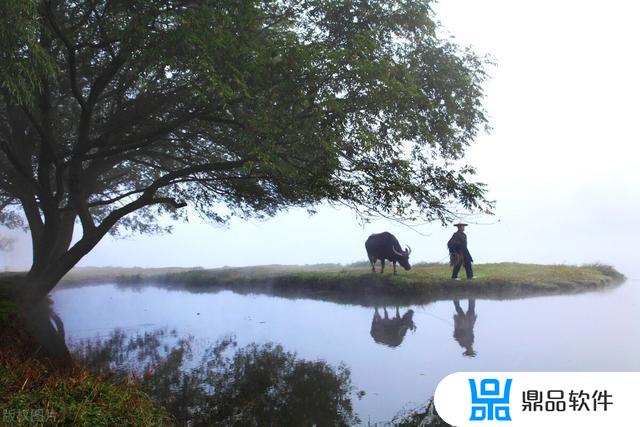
pixel 458 243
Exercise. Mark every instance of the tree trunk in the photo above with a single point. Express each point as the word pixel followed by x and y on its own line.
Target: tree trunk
pixel 40 281
pixel 51 260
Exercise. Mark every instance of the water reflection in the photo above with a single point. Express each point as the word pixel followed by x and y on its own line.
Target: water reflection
pixel 253 385
pixel 463 324
pixel 391 331
pixel 335 333
pixel 424 415
pixel 46 327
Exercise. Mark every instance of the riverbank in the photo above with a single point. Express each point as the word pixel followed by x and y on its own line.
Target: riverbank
pixel 38 390
pixel 250 385
pixel 356 284
pixel 30 385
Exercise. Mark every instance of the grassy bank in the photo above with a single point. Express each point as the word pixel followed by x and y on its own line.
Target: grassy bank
pixel 423 283
pixel 35 390
pixel 356 284
pixel 31 393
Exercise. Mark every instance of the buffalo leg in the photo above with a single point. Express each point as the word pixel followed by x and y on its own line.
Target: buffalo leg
pixel 394 268
pixel 373 260
pixel 381 265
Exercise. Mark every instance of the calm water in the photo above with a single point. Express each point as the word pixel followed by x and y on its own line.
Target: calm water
pixel 597 331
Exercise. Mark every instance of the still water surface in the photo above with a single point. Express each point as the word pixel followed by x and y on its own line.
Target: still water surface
pixel 397 363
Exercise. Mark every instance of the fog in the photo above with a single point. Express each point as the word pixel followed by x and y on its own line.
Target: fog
pixel 561 161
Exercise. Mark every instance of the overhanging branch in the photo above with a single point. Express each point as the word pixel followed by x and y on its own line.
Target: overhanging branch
pixel 148 195
pixel 169 201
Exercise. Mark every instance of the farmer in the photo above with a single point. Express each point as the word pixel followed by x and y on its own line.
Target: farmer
pixel 459 254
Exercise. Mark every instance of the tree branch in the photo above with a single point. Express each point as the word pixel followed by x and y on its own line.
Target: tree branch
pixel 168 201
pixel 71 54
pixel 15 162
pixel 148 195
pixel 107 75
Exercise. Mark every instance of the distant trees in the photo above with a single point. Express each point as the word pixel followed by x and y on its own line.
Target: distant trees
pixel 114 112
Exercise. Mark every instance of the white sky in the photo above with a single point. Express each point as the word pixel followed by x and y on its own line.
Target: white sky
pixel 561 161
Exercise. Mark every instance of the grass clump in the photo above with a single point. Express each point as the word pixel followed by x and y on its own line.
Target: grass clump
pixel 32 393
pixel 8 306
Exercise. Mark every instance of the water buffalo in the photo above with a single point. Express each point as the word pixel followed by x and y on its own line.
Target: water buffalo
pixel 385 246
pixel 391 331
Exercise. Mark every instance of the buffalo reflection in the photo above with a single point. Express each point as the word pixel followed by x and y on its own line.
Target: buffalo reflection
pixel 463 324
pixel 391 331
pixel 253 385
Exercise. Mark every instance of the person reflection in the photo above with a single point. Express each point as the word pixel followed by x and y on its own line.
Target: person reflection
pixel 388 331
pixel 463 326
pixel 47 329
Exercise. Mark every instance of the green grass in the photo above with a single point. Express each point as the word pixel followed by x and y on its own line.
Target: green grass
pixel 30 393
pixel 8 306
pixel 356 283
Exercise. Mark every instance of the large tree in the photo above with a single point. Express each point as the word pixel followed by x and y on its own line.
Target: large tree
pixel 114 112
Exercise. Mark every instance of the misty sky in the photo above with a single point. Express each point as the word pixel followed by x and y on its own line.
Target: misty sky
pixel 561 161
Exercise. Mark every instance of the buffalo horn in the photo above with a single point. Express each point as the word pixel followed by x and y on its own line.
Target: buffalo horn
pixel 397 252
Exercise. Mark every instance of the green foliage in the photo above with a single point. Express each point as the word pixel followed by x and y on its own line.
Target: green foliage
pixel 351 102
pixel 24 61
pixel 233 108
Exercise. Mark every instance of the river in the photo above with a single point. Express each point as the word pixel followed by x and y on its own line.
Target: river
pixel 396 360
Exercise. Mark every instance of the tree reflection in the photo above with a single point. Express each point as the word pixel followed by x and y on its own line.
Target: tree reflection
pixel 253 385
pixel 47 329
pixel 463 326
pixel 421 416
